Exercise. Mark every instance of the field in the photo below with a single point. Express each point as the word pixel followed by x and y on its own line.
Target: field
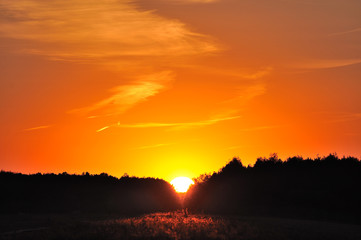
pixel 172 225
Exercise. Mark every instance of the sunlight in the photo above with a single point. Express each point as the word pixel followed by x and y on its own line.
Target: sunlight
pixel 181 184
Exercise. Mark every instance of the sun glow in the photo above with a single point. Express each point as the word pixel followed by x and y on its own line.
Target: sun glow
pixel 181 184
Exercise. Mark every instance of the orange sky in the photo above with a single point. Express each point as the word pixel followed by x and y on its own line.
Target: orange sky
pixel 167 88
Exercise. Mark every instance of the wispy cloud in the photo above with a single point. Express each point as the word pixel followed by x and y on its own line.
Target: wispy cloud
pixel 192 1
pixel 97 30
pixel 244 94
pixel 342 117
pixel 259 74
pixel 346 32
pixel 180 1
pixel 325 63
pixel 126 96
pixel 250 92
pixel 113 33
pixel 37 128
pixel 242 74
pixel 172 125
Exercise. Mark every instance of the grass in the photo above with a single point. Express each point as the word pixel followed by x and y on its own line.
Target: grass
pixel 175 225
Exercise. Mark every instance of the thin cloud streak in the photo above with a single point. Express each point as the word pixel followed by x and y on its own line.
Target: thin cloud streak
pixel 259 74
pixel 38 128
pixel 192 1
pixel 234 105
pixel 182 2
pixel 346 32
pixel 245 94
pixel 343 117
pixel 242 74
pixel 102 129
pixel 174 125
pixel 251 92
pixel 326 63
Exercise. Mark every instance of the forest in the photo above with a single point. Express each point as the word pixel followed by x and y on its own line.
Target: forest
pixel 86 193
pixel 324 188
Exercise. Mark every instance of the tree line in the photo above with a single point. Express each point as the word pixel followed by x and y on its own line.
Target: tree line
pixel 326 188
pixel 86 193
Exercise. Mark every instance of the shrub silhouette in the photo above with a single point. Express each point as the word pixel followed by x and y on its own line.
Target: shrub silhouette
pixel 322 188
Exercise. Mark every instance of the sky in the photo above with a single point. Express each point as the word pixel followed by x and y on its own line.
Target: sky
pixel 168 88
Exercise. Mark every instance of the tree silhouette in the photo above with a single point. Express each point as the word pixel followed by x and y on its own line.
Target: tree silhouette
pixel 63 193
pixel 321 188
pixel 324 188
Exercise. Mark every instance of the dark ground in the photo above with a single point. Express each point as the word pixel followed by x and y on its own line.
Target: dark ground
pixel 171 225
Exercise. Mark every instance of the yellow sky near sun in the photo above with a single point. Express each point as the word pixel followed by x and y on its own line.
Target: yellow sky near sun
pixel 178 87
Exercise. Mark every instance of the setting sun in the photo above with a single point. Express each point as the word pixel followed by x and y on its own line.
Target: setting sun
pixel 181 184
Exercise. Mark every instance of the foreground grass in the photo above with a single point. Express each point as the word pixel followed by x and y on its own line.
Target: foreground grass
pixel 176 226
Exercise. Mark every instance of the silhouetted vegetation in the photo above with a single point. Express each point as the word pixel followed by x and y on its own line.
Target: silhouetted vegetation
pixel 325 188
pixel 65 193
pixel 174 226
